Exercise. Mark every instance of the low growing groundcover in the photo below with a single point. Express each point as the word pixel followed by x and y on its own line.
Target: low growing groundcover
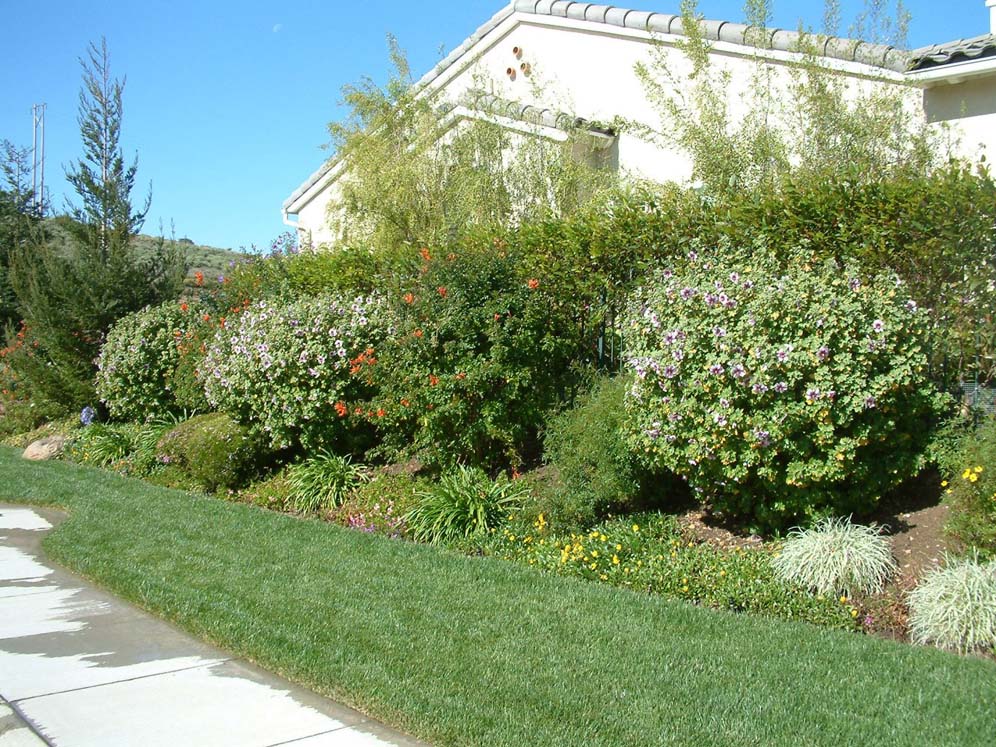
pixel 476 651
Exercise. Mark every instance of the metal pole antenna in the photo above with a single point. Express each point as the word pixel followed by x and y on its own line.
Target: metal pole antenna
pixel 38 158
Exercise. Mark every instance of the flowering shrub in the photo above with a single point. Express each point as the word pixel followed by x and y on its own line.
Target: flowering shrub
pixel 137 361
pixel 296 372
pixel 779 395
pixel 649 553
pixel 970 491
pixel 478 354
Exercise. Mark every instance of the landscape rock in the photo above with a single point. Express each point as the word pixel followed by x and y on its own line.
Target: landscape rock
pixel 45 448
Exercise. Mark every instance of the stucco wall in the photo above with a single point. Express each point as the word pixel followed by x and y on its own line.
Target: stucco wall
pixel 968 109
pixel 588 69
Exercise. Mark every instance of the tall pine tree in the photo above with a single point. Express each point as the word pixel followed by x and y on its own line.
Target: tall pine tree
pixel 70 299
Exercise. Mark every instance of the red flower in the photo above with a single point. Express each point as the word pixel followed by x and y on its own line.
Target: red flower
pixel 433 379
pixel 404 402
pixel 424 253
pixel 417 333
pixel 341 409
pixel 442 290
pixel 533 284
pixel 207 317
pixel 199 277
pixel 183 307
pixel 497 317
pixel 461 375
pixel 409 298
pixel 381 413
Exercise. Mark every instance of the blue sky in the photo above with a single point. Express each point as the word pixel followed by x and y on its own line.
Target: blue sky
pixel 226 102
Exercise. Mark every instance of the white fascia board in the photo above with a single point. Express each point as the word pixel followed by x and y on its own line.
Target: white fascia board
pixel 956 72
pixel 319 181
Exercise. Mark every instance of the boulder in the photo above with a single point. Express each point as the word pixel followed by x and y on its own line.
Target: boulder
pixel 45 448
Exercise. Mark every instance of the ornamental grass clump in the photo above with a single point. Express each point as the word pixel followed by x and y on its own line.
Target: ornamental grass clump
pixel 296 372
pixel 782 392
pixel 954 607
pixel 463 503
pixel 836 557
pixel 322 482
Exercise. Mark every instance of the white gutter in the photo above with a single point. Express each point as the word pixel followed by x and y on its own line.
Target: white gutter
pixel 952 73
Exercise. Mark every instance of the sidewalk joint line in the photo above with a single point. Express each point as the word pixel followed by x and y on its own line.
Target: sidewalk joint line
pixel 126 679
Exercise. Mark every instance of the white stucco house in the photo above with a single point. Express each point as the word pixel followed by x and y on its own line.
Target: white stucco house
pixel 552 65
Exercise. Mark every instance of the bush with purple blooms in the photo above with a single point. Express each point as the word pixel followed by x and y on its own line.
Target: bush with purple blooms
pixel 296 371
pixel 139 358
pixel 779 394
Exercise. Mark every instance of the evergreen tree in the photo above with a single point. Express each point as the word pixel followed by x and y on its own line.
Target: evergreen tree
pixel 69 300
pixel 18 217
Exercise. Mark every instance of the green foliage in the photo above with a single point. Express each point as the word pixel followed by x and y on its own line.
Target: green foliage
pixel 479 353
pixel 649 553
pixel 971 490
pixel 138 361
pixel 805 120
pixel 18 220
pixel 127 448
pixel 464 503
pixel 729 155
pixel 322 481
pixel 346 270
pixel 21 418
pixel 103 445
pixel 598 472
pixel 937 232
pixel 380 504
pixel 70 301
pixel 413 181
pixel 780 393
pixel 954 607
pixel 273 492
pixel 214 450
pixel 295 370
pixel 837 557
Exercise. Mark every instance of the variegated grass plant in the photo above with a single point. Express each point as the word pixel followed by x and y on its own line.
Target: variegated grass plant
pixel 837 557
pixel 954 607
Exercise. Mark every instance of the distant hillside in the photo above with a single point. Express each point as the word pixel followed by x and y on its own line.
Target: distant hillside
pixel 209 260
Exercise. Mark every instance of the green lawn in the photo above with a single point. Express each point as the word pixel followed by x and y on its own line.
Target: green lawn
pixel 475 651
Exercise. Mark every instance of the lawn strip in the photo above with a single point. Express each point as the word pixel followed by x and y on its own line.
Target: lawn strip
pixel 476 651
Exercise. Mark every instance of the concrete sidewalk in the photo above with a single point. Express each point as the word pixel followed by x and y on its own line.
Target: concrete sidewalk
pixel 79 667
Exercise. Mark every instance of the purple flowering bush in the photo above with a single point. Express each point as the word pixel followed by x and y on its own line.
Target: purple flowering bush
pixel 779 394
pixel 295 371
pixel 139 357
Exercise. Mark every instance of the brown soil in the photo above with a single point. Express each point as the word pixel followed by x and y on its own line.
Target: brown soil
pixel 913 519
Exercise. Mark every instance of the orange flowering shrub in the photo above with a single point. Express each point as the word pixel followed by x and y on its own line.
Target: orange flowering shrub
pixel 476 358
